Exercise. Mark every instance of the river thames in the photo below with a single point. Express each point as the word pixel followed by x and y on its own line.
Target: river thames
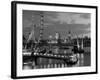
pixel 84 59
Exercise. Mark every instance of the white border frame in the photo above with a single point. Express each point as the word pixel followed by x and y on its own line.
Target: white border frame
pixel 21 72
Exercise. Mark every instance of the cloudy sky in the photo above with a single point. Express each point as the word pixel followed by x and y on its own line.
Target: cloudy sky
pixel 62 22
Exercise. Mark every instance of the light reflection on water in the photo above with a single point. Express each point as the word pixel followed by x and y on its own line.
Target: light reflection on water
pixel 83 60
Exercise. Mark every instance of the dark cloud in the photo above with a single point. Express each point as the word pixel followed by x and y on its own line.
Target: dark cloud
pixel 86 16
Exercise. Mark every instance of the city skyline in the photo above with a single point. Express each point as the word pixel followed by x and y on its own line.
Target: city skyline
pixel 62 22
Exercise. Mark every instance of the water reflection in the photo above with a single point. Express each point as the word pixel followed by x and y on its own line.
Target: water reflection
pixel 83 60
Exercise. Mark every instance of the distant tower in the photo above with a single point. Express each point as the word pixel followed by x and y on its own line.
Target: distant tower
pixel 50 37
pixel 41 26
pixel 69 35
pixel 57 36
